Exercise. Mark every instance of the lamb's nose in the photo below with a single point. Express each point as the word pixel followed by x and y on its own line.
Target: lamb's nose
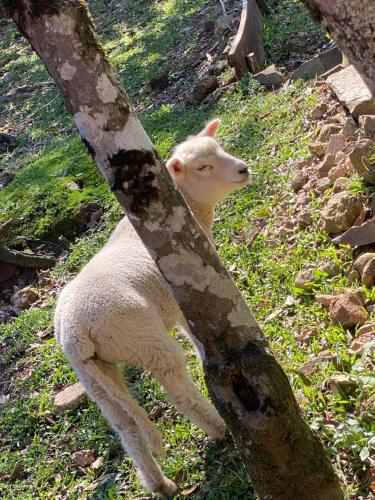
pixel 243 170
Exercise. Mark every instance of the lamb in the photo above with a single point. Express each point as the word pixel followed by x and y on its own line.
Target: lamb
pixel 119 309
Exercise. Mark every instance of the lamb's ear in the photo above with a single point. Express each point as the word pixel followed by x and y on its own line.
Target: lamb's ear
pixel 210 129
pixel 175 166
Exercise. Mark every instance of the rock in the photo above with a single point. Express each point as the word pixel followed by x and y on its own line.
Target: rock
pixel 347 310
pixel 299 179
pixel 305 280
pixel 367 125
pixel 361 261
pixel 6 178
pixel 341 211
pixel 359 343
pixel 342 385
pixel 351 91
pixel 84 458
pixel 325 165
pixel 318 65
pixel 318 148
pixel 329 268
pixel 325 299
pixel 309 368
pixel 360 294
pixel 368 327
pixel 89 214
pixel 319 111
pixel 358 235
pixel 47 333
pixel 202 89
pixel 70 397
pixel 350 129
pixel 306 334
pixel 160 81
pixel 304 218
pixel 327 130
pixel 322 185
pixel 368 275
pixel 98 463
pixel 24 298
pixel 336 144
pixel 341 184
pixel 73 186
pixel 269 78
pixel 338 171
pixel 340 118
pixel 353 276
pixel 361 159
pixel 8 142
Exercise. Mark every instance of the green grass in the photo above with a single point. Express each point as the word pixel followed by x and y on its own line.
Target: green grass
pixel 267 130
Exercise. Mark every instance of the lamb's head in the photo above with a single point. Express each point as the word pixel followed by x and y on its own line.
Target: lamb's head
pixel 203 170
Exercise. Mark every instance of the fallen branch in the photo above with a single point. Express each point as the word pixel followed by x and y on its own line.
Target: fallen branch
pixel 26 260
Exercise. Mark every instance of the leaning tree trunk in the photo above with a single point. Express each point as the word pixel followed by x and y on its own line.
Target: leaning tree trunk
pixel 352 25
pixel 283 457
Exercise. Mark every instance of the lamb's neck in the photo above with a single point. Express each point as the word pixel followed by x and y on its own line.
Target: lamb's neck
pixel 203 212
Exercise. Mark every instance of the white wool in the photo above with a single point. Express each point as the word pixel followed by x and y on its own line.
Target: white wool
pixel 119 309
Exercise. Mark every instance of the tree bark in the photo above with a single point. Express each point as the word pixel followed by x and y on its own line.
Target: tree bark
pixel 283 457
pixel 352 26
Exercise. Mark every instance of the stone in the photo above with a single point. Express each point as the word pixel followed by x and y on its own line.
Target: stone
pixel 73 186
pixel 367 125
pixel 306 334
pixel 358 235
pixel 318 65
pixel 368 327
pixel 353 276
pixel 304 218
pixel 352 91
pixel 6 178
pixel 336 143
pixel 24 298
pixel 359 344
pixel 202 88
pixel 299 179
pixel 318 148
pixel 324 299
pixel 312 366
pixel 338 171
pixel 327 130
pixel 319 111
pixel 70 397
pixel 341 184
pixel 325 165
pixel 347 310
pixel 322 185
pixel 270 78
pixel 361 261
pixel 329 268
pixel 350 129
pixel 305 280
pixel 361 159
pixel 84 458
pixel 342 385
pixel 341 211
pixel 368 275
pixel 89 214
pixel 160 81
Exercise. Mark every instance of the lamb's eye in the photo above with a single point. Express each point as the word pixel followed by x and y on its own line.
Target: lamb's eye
pixel 204 167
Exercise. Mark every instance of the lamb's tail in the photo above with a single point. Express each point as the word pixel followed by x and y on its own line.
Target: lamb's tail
pixel 108 393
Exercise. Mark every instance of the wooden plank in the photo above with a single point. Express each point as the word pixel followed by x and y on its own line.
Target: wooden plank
pixel 248 39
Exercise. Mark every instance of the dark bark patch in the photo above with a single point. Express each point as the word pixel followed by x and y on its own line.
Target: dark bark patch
pixel 245 393
pixel 89 147
pixel 37 7
pixel 133 177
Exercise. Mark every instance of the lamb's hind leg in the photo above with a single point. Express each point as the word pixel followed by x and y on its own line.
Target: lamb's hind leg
pixel 127 427
pixel 171 372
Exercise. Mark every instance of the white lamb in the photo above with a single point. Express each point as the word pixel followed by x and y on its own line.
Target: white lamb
pixel 119 309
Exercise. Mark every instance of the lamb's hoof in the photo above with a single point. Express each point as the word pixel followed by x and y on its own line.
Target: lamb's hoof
pixel 166 489
pixel 218 433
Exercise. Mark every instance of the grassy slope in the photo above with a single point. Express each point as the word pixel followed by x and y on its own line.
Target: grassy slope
pixel 267 130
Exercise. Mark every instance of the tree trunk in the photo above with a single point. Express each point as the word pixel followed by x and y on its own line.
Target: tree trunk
pixel 283 457
pixel 352 25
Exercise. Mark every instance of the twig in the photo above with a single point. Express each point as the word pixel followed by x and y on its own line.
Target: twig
pixel 223 7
